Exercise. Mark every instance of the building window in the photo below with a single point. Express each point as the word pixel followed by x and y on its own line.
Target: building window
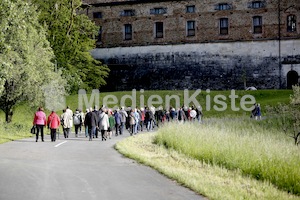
pixel 223 6
pixel 127 13
pixel 224 26
pixel 190 9
pixel 256 4
pixel 97 15
pixel 159 29
pixel 257 25
pixel 128 32
pixel 291 23
pixel 158 11
pixel 99 37
pixel 191 28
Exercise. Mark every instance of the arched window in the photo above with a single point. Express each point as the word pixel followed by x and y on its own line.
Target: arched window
pixel 292 79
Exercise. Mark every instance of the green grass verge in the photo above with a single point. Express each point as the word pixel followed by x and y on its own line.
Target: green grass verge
pixel 212 181
pixel 238 145
pixel 20 126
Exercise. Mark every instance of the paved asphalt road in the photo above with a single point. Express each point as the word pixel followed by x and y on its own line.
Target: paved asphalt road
pixel 78 169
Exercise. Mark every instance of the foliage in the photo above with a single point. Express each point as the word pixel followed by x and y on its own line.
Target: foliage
pixel 25 56
pixel 238 145
pixel 295 97
pixel 71 37
pixel 287 116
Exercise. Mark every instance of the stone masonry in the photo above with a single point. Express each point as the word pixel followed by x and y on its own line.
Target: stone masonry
pixel 206 59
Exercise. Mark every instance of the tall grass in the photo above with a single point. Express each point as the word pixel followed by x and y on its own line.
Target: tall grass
pixel 238 144
pixel 13 131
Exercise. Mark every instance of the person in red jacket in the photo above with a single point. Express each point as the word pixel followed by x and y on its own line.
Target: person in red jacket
pixel 53 123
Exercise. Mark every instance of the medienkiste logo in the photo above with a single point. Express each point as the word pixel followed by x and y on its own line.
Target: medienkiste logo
pixel 217 102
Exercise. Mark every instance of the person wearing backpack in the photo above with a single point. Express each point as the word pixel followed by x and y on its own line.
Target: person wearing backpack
pixel 77 120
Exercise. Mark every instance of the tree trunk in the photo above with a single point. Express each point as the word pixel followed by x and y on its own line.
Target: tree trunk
pixel 8 115
pixel 296 139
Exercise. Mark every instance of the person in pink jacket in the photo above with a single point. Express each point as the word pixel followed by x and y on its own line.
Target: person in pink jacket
pixel 40 121
pixel 53 123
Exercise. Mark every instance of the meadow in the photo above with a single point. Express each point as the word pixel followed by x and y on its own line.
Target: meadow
pixel 228 156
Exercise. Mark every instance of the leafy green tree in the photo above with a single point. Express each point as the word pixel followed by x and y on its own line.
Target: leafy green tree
pixel 25 57
pixel 71 37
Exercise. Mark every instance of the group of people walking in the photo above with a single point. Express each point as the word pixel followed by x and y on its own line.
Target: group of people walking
pixel 108 122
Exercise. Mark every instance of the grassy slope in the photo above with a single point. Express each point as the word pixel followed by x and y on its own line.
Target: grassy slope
pixel 206 179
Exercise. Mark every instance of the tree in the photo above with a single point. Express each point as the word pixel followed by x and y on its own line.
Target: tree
pixel 71 37
pixel 25 57
pixel 288 116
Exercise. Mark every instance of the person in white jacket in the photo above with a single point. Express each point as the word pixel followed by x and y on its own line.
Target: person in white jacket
pixel 103 123
pixel 66 122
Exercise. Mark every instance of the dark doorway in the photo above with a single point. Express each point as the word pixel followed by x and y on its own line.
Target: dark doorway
pixel 292 79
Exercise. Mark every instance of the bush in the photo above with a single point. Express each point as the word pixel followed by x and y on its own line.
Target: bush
pixel 13 131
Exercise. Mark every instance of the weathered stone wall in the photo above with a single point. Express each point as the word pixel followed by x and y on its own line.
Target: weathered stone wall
pixel 206 60
pixel 175 19
pixel 201 66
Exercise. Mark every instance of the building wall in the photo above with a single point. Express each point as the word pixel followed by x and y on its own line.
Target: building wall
pixel 205 16
pixel 207 60
pixel 201 66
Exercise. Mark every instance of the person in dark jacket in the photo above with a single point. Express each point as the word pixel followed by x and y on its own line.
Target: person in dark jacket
pixel 97 113
pixel 173 114
pixel 91 122
pixel 118 120
pixel 149 117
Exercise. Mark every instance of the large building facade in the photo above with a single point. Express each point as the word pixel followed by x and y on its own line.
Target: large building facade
pixel 198 44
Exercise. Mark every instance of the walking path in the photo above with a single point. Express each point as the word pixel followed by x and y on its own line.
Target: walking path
pixel 77 169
